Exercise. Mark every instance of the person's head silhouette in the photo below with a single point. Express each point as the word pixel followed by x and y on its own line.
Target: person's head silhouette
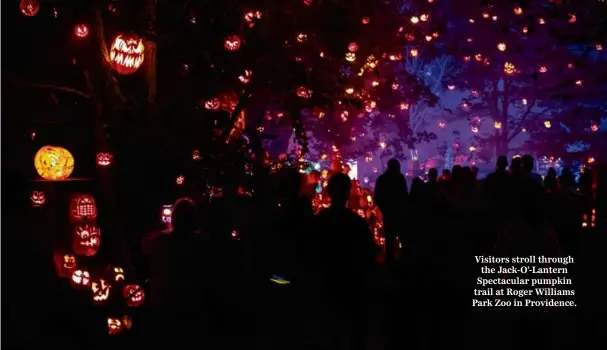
pixel 339 189
pixel 394 166
pixel 289 183
pixel 432 175
pixel 184 218
pixel 502 163
pixel 528 163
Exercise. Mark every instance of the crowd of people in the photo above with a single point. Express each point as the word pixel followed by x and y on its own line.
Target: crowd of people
pixel 298 263
pixel 272 269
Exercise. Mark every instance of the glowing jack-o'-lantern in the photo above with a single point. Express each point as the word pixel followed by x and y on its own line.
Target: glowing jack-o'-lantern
pixel 38 198
pixel 232 43
pixel 81 31
pixel 101 291
pixel 86 240
pixel 69 261
pixel 304 92
pixel 133 294
pixel 29 8
pixel 212 104
pixel 65 264
pixel 104 159
pixel 80 279
pixel 83 207
pixel 114 325
pixel 350 56
pixel 115 273
pixel 126 54
pixel 54 163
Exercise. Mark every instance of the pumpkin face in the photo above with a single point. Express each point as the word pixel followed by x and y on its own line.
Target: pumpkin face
pixel 232 43
pixel 80 279
pixel 81 31
pixel 304 92
pixel 86 240
pixel 83 207
pixel 29 7
pixel 104 159
pixel 37 198
pixel 54 163
pixel 212 104
pixel 101 291
pixel 69 262
pixel 126 54
pixel 114 325
pixel 133 294
pixel 116 274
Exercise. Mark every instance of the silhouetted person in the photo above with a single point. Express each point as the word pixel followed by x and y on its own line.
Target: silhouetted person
pixel 177 295
pixel 346 252
pixel 496 183
pixel 516 166
pixel 528 163
pixel 551 182
pixel 391 198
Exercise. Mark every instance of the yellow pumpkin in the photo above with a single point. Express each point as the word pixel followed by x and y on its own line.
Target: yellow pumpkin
pixel 54 163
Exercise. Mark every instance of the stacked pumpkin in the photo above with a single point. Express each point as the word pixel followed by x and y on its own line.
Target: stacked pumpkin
pixel 55 164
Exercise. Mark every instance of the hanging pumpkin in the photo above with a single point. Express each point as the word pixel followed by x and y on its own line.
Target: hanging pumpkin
pixel 133 294
pixel 101 291
pixel 232 43
pixel 81 31
pixel 54 163
pixel 38 198
pixel 83 207
pixel 114 325
pixel 29 8
pixel 86 240
pixel 80 279
pixel 126 54
pixel 104 159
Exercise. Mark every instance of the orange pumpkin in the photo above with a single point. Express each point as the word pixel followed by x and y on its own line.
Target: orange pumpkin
pixel 29 8
pixel 54 163
pixel 86 240
pixel 114 325
pixel 38 198
pixel 232 43
pixel 80 279
pixel 83 207
pixel 126 54
pixel 133 294
pixel 101 291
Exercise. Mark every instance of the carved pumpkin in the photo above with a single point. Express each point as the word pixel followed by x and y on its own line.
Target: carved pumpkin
pixel 212 104
pixel 104 159
pixel 101 291
pixel 115 273
pixel 29 8
pixel 304 92
pixel 232 43
pixel 80 279
pixel 54 163
pixel 38 198
pixel 83 207
pixel 133 294
pixel 81 31
pixel 114 325
pixel 86 240
pixel 126 54
pixel 196 154
pixel 65 264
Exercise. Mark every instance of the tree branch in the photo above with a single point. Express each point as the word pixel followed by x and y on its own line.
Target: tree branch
pixel 53 87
